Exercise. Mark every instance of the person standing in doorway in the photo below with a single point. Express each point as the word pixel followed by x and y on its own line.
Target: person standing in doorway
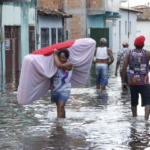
pixel 120 60
pixel 102 55
pixel 138 61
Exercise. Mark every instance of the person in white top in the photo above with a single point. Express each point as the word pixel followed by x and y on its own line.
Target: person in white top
pixel 101 59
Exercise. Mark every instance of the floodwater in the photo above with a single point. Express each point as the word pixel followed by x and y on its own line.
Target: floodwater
pixel 94 121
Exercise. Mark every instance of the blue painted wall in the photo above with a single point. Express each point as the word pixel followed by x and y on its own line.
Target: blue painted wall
pixel 95 21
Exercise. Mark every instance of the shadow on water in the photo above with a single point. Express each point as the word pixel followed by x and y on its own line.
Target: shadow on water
pixel 94 121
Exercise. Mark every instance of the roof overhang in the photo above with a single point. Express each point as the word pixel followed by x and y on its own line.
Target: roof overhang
pixel 130 9
pixel 53 12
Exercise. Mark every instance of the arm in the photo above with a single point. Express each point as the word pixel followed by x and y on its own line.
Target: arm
pixel 65 66
pixel 148 55
pixel 148 58
pixel 117 66
pixel 118 63
pixel 111 56
pixel 126 61
pixel 94 56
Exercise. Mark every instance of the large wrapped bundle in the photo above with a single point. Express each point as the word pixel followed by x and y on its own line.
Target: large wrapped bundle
pixel 38 68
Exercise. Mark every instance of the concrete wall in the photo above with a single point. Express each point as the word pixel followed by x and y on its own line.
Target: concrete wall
pixel 19 14
pixel 95 7
pixel 143 28
pixel 52 4
pixel 77 26
pixel 112 5
pixel 48 22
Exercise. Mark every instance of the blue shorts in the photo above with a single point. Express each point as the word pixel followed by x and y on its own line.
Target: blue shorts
pixel 60 96
pixel 101 74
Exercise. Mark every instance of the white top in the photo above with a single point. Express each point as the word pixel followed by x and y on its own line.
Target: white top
pixel 102 53
pixel 61 80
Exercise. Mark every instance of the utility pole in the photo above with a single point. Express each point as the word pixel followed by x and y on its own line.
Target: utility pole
pixel 128 22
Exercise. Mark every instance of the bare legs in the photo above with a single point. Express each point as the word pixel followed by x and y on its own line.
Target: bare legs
pixel 134 111
pixel 101 87
pixel 147 111
pixel 98 86
pixel 60 109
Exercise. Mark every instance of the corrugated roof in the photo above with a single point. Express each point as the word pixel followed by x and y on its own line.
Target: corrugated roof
pixel 130 9
pixel 145 16
pixel 53 12
pixel 140 6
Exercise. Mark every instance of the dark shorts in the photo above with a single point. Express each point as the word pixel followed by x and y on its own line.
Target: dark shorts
pixel 144 90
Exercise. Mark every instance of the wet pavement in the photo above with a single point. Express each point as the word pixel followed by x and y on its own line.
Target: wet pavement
pixel 94 121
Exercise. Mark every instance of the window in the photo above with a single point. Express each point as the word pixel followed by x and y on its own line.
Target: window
pixel 60 35
pixel 126 28
pixel 53 35
pixel 44 37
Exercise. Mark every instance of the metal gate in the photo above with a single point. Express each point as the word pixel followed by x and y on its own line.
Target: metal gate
pixel 98 33
pixel 11 54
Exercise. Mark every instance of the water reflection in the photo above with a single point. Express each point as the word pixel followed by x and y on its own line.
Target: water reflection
pixel 9 81
pixel 94 121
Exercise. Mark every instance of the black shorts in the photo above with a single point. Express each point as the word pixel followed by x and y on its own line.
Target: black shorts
pixel 144 90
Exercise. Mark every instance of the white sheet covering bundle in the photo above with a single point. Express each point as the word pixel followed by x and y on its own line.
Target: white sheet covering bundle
pixel 37 70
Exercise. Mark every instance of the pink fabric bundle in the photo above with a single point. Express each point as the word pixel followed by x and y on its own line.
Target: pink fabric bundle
pixel 38 68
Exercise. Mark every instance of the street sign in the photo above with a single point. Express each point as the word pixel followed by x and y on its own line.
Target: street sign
pixel 15 0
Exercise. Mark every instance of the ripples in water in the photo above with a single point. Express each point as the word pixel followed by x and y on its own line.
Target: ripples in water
pixel 94 121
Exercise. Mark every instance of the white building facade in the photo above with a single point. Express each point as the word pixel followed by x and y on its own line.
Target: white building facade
pixel 121 29
pixel 143 28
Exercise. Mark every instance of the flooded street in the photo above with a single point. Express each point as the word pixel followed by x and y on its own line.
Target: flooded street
pixel 94 121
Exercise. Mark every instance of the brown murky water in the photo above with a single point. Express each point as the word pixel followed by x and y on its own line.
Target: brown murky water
pixel 94 121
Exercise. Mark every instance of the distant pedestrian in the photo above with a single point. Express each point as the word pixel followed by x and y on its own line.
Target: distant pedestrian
pixel 138 61
pixel 102 55
pixel 120 60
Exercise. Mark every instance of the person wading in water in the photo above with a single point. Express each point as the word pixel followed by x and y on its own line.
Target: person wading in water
pixel 120 60
pixel 138 61
pixel 60 83
pixel 102 55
